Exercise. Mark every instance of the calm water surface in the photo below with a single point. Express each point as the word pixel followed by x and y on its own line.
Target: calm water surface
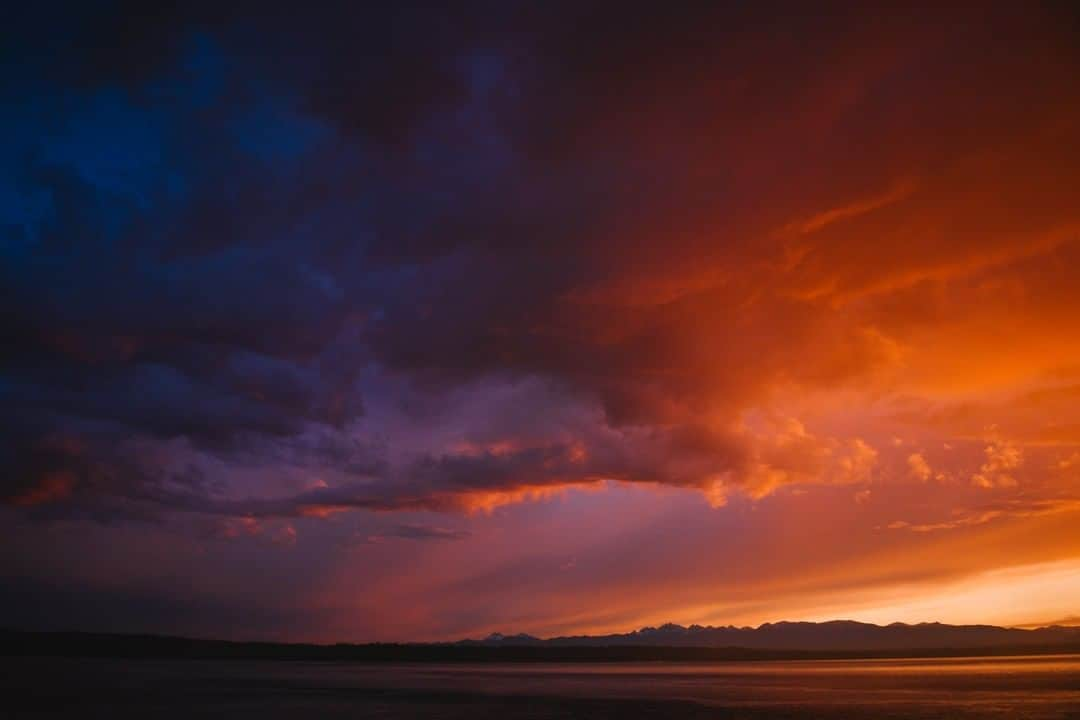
pixel 1011 687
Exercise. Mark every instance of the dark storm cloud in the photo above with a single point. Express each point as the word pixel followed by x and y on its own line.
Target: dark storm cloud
pixel 211 218
pixel 181 262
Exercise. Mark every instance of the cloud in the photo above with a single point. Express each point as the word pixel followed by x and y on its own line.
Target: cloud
pixel 406 235
pixel 918 467
pixel 1002 458
pixel 412 531
pixel 51 487
pixel 284 535
pixel 788 454
pixel 1019 508
pixel 1069 621
pixel 853 209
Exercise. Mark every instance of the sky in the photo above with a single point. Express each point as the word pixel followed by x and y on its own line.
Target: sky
pixel 420 321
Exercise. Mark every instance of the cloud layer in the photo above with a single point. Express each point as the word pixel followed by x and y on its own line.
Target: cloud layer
pixel 264 268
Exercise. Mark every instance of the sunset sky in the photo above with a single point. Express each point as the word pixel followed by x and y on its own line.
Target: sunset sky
pixel 339 324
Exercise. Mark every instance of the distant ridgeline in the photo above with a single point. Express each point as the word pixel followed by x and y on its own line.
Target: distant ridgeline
pixel 835 635
pixel 772 641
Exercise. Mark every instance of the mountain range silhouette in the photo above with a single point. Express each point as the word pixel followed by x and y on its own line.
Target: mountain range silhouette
pixel 781 640
pixel 833 635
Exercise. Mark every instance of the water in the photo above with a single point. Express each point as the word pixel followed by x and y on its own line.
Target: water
pixel 1040 687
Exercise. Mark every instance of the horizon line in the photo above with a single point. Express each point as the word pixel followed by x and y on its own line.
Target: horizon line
pixel 1065 623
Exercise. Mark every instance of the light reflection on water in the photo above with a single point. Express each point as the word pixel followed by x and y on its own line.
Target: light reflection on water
pixel 1005 683
pixel 1028 664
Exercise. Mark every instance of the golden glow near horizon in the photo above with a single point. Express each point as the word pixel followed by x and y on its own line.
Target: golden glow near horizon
pixel 1033 595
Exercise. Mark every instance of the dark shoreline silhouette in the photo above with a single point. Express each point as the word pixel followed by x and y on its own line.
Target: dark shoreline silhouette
pixel 777 641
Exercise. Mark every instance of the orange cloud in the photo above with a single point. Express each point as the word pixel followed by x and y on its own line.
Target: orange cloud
pixel 859 207
pixel 1009 509
pixel 918 467
pixel 1002 459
